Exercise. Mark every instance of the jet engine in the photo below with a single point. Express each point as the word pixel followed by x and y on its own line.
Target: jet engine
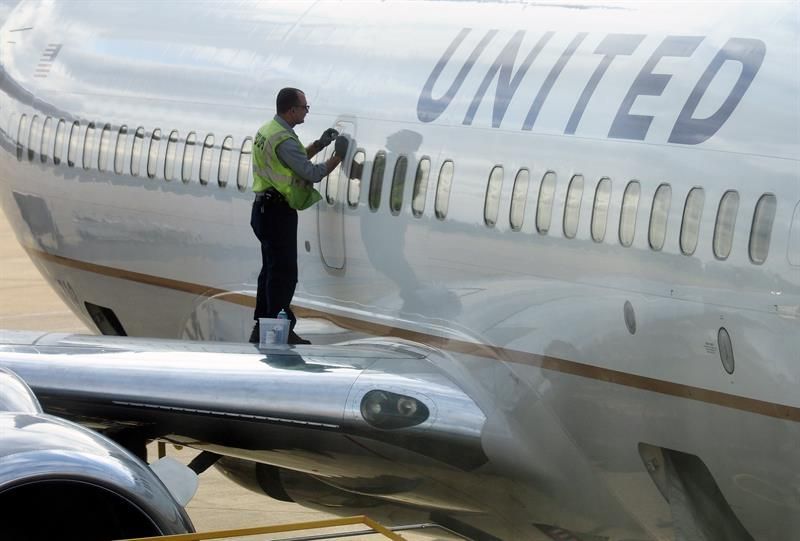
pixel 305 489
pixel 59 480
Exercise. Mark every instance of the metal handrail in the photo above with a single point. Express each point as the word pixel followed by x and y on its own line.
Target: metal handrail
pixel 311 525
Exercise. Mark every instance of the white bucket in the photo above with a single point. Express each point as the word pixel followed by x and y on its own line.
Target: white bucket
pixel 272 331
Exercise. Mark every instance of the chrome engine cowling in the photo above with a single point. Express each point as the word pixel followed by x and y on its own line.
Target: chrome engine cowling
pixel 62 481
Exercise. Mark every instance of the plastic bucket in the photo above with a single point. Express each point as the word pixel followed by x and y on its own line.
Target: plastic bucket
pixel 272 331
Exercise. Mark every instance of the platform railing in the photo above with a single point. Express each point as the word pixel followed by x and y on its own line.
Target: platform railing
pixel 374 528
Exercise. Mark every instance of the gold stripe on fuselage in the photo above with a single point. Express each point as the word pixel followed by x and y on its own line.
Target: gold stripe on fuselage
pixel 742 403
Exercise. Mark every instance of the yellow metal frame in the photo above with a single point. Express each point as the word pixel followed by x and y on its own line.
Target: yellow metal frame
pixel 312 525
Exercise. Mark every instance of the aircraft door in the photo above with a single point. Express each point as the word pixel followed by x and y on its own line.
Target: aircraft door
pixel 330 211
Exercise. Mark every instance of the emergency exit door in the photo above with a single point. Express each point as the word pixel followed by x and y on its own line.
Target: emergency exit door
pixel 330 211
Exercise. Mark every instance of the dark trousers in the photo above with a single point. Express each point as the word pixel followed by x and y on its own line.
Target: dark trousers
pixel 275 224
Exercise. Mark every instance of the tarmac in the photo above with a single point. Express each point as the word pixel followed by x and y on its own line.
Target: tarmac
pixel 29 303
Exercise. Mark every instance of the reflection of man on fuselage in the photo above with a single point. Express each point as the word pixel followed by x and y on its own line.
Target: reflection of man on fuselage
pixel 386 246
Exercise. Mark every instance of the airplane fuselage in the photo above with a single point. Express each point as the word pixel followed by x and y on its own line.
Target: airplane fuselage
pixel 593 209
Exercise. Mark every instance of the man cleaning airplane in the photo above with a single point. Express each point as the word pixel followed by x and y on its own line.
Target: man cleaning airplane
pixel 282 181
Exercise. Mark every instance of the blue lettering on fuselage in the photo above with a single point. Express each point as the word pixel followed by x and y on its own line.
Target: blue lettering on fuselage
pixel 688 129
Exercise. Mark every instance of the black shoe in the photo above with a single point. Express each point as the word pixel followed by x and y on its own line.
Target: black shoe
pixel 296 340
pixel 255 336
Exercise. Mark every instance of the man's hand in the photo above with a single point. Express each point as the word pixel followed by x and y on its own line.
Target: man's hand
pixel 340 147
pixel 327 137
pixel 339 153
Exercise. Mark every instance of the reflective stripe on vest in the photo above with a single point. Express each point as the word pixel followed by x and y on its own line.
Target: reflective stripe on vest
pixel 272 172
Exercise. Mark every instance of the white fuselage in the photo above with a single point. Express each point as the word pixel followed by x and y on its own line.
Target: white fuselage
pixel 584 336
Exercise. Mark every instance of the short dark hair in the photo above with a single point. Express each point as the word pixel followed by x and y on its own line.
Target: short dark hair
pixel 287 98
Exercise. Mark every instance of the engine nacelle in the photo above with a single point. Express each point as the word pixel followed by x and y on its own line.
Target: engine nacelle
pixel 308 491
pixel 59 480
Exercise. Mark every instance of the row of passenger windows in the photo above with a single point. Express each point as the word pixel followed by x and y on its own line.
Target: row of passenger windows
pixel 113 145
pixel 420 190
pixel 724 224
pixel 725 221
pixel 49 138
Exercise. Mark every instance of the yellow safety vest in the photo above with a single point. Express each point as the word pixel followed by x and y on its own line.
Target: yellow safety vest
pixel 270 171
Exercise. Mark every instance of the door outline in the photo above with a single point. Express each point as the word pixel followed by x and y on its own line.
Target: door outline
pixel 330 215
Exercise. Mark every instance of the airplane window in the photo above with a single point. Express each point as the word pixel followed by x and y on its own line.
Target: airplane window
pixel 354 184
pixel 245 168
pixel 602 197
pixel 544 208
pixel 172 153
pixel 376 181
pixel 44 149
pixel 152 153
pixel 491 204
pixel 658 216
pixel 34 135
pixel 23 123
pixel 332 185
pixel 136 151
pixel 105 145
pixel 572 208
pixel 205 159
pixel 332 179
pixel 119 151
pixel 225 161
pixel 690 226
pixel 188 157
pixel 58 149
pixel 88 146
pixel 627 218
pixel 726 221
pixel 398 185
pixel 761 232
pixel 420 187
pixel 793 250
pixel 72 147
pixel 442 202
pixel 519 195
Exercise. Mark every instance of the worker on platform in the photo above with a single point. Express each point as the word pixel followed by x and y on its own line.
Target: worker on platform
pixel 283 178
